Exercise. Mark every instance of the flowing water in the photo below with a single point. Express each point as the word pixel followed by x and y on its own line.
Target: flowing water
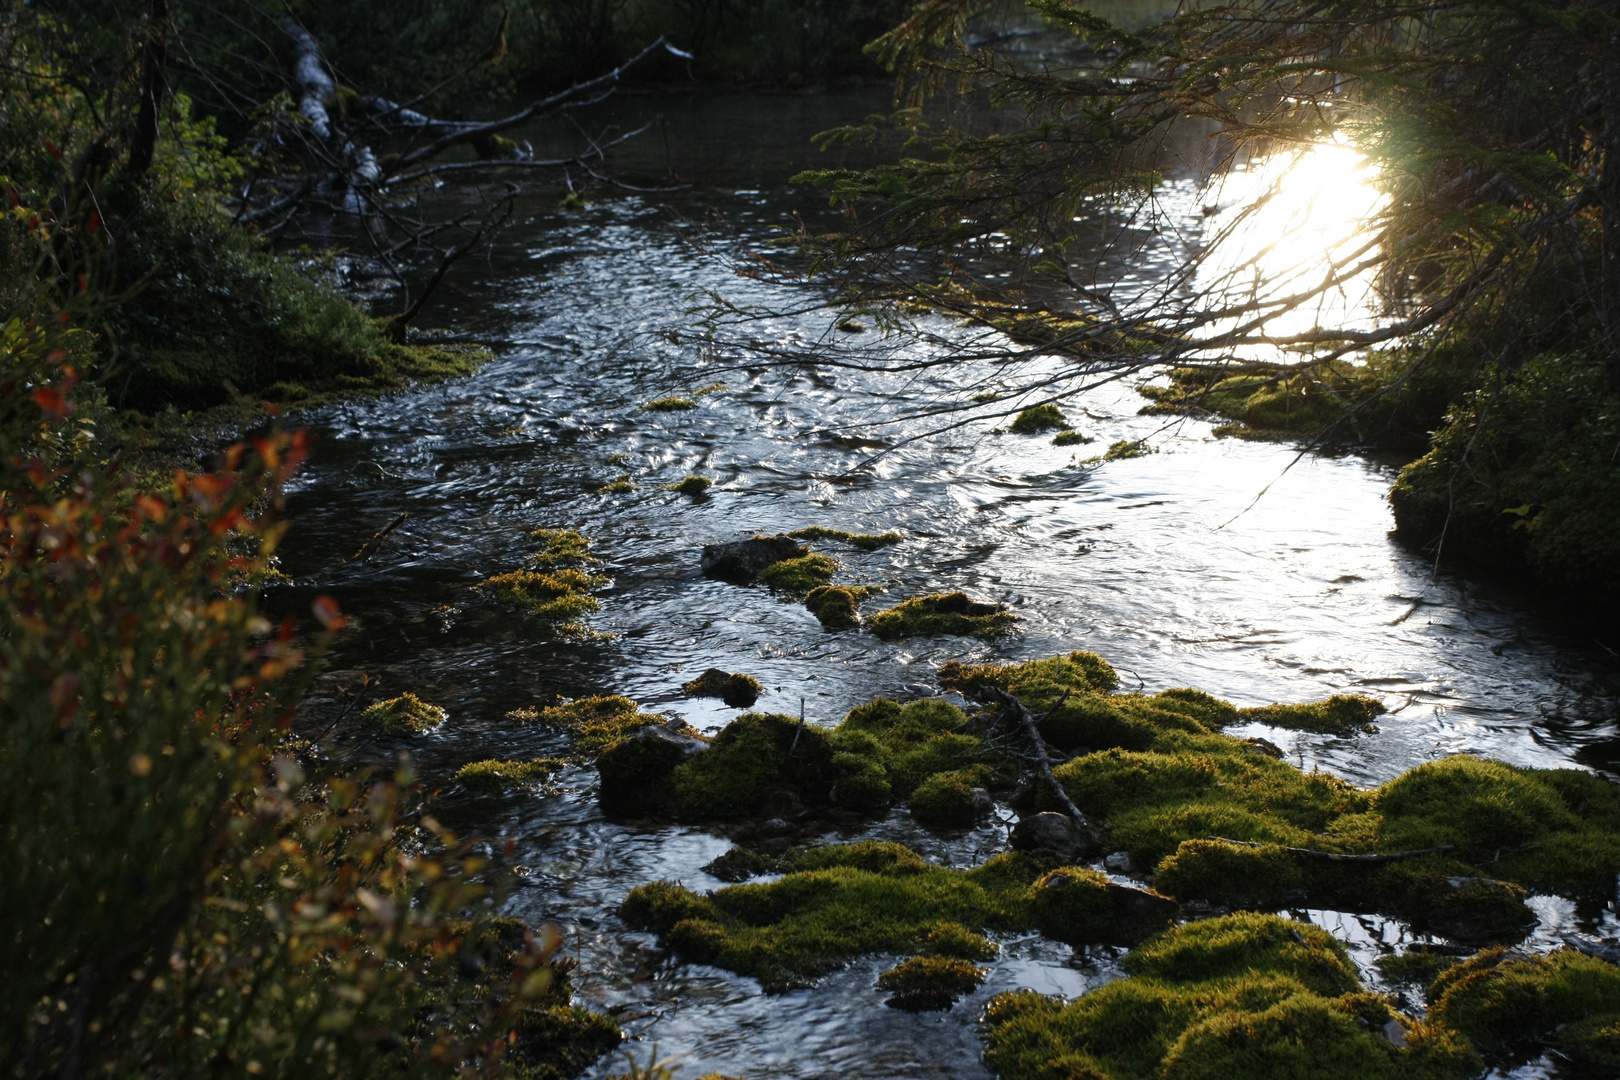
pixel 1238 567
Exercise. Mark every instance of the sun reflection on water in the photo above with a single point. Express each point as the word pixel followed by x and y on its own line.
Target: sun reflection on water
pixel 1296 223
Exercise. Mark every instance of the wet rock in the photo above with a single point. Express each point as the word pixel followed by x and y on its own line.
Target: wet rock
pixel 1052 832
pixel 635 771
pixel 741 561
pixel 775 827
pixel 1119 862
pixel 1477 909
pixel 920 690
pixel 982 801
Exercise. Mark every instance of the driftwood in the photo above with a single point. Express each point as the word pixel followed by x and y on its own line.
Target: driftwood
pixel 1333 856
pixel 1027 720
pixel 372 546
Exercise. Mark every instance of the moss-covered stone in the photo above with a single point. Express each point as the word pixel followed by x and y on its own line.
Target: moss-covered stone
pixel 595 723
pixel 693 486
pixel 740 864
pixel 1506 1003
pixel 759 764
pixel 836 606
pixel 842 901
pixel 499 775
pixel 864 541
pixel 403 715
pixel 800 575
pixel 952 800
pixel 942 613
pixel 930 983
pixel 1592 1045
pixel 1231 875
pixel 558 1042
pixel 737 690
pixel 1070 437
pixel 670 404
pixel 1250 996
pixel 555 589
pixel 1127 448
pixel 1341 714
pixel 637 771
pixel 1039 418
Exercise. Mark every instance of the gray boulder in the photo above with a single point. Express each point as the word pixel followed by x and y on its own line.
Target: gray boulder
pixel 741 561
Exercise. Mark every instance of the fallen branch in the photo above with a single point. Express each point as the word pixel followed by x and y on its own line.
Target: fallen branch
pixel 1333 856
pixel 372 546
pixel 1043 761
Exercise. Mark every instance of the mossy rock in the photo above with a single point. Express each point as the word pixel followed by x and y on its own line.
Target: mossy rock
pixel 740 864
pixel 864 541
pixel 942 613
pixel 556 598
pixel 1037 682
pixel 836 606
pixel 1341 714
pixel 1506 1004
pixel 1231 875
pixel 1251 996
pixel 1039 418
pixel 670 404
pixel 693 486
pixel 930 983
pixel 501 775
pixel 952 800
pixel 557 1042
pixel 403 715
pixel 1070 437
pixel 800 575
pixel 760 763
pixel 1080 906
pixel 638 771
pixel 737 690
pixel 1592 1045
pixel 838 902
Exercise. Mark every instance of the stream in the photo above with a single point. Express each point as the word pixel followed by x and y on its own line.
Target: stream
pixel 1241 568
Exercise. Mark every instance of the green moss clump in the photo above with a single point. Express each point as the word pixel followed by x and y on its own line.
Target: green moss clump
pixel 619 485
pixel 1037 682
pixel 554 1042
pixel 949 799
pixel 942 613
pixel 1033 421
pixel 836 903
pixel 1230 874
pixel 928 983
pixel 838 606
pixel 595 723
pixel 1592 1045
pixel 694 486
pixel 1502 1002
pixel 800 575
pixel 1341 714
pixel 1251 996
pixel 1414 968
pixel 403 715
pixel 740 864
pixel 1127 448
pixel 670 404
pixel 561 548
pixel 739 690
pixel 1070 437
pixel 500 775
pixel 556 598
pixel 864 541
pixel 1072 905
pixel 759 763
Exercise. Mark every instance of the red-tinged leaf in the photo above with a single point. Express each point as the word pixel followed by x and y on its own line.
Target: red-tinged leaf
pixel 328 613
pixel 52 402
pixel 95 222
pixel 55 153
